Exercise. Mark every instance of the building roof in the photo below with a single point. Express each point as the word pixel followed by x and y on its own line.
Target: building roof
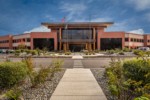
pixel 77 24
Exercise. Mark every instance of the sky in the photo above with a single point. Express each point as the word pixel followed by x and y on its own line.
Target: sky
pixel 19 16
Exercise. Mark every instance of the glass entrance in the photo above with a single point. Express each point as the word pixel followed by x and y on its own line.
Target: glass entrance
pixel 76 47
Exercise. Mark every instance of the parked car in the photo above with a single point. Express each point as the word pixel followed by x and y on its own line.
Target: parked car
pixel 6 51
pixel 144 48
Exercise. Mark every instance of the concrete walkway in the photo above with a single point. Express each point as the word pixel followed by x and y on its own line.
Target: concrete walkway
pixel 77 57
pixel 78 64
pixel 78 84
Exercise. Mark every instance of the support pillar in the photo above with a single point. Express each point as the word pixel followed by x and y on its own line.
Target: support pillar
pixel 60 37
pixel 94 38
pixel 86 46
pixel 65 47
pixel 90 47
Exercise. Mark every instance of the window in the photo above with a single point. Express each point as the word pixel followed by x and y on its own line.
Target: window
pixel 74 34
pixel 126 39
pixel 110 43
pixel 135 40
pixel 23 40
pixel 28 40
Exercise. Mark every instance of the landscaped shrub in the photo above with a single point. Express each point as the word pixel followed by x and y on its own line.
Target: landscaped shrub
pixel 45 50
pixel 40 77
pixel 27 51
pixel 13 94
pixel 115 78
pixel 29 63
pixel 12 73
pixel 137 52
pixel 68 53
pixel 137 72
pixel 127 50
pixel 55 66
pixel 38 51
pixel 121 53
pixel 117 50
pixel 129 79
pixel 148 53
pixel 110 51
pixel 34 52
pixel 18 51
pixel 141 98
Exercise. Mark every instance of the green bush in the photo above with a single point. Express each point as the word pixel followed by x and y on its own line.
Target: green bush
pixel 141 98
pixel 129 79
pixel 12 73
pixel 137 70
pixel 13 94
pixel 137 52
pixel 68 53
pixel 33 52
pixel 55 66
pixel 28 51
pixel 148 53
pixel 18 51
pixel 126 50
pixel 117 50
pixel 40 77
pixel 121 53
pixel 110 51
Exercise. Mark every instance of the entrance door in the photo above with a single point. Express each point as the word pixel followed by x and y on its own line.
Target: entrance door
pixel 76 47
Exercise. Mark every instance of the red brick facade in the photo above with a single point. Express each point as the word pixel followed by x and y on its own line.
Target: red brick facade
pixel 6 42
pixel 128 39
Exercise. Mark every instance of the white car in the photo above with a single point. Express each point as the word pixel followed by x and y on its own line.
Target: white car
pixel 144 48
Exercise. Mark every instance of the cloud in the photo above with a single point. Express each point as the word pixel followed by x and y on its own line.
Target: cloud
pixel 147 16
pixel 119 26
pixel 106 19
pixel 140 4
pixel 73 10
pixel 39 29
pixel 138 31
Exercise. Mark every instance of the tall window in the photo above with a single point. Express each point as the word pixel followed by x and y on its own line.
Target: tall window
pixel 110 43
pixel 77 34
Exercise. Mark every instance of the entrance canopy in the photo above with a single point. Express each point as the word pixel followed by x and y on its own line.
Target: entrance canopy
pixel 77 24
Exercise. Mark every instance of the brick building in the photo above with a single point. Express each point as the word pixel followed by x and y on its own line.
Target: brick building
pixel 76 36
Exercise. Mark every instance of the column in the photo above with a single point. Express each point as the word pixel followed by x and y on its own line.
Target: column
pixel 94 38
pixel 64 47
pixel 86 46
pixel 67 46
pixel 60 37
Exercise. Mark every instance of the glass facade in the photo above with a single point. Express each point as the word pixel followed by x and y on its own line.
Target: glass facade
pixel 110 43
pixel 43 42
pixel 77 34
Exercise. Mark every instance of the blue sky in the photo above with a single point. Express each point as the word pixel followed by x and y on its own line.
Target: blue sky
pixel 18 16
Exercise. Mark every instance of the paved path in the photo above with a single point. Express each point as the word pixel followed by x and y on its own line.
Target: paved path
pixel 78 84
pixel 77 57
pixel 78 64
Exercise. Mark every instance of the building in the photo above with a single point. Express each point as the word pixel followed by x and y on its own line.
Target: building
pixel 76 36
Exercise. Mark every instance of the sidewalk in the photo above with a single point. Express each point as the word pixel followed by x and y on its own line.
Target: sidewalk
pixel 78 84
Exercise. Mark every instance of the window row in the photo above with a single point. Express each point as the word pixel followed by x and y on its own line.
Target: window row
pixel 4 47
pixel 27 47
pixel 148 40
pixel 21 40
pixel 134 40
pixel 4 41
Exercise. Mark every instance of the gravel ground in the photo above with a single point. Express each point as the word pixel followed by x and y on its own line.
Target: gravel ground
pixel 102 81
pixel 43 91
